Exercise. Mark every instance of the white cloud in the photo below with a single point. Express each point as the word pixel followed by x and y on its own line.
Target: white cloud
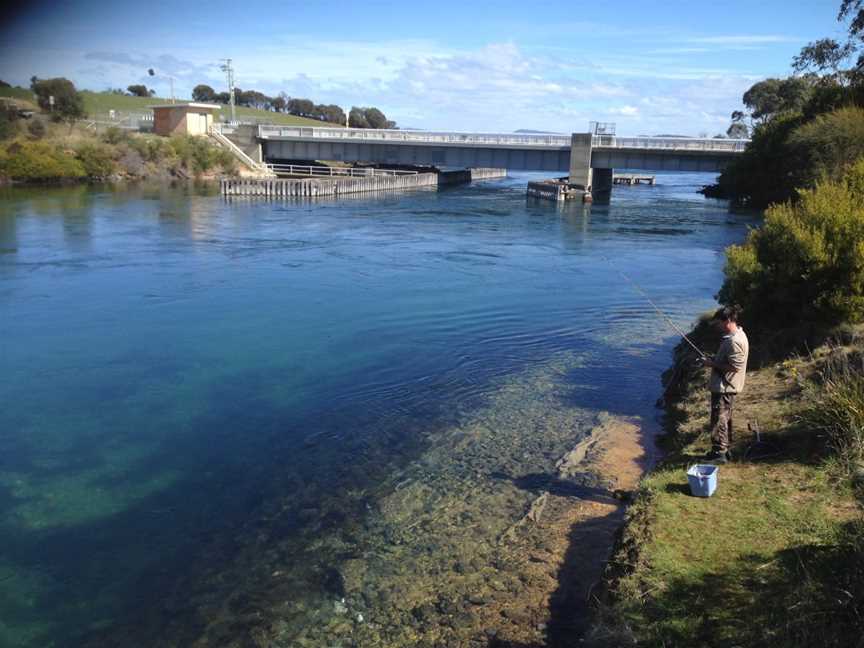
pixel 743 39
pixel 419 83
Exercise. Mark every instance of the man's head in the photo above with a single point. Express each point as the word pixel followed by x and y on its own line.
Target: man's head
pixel 726 318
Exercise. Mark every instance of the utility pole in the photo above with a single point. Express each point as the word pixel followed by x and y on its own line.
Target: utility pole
pixel 229 73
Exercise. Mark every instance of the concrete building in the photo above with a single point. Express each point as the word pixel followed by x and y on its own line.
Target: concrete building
pixel 183 118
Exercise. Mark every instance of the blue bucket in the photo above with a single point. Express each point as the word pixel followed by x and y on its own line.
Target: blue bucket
pixel 703 479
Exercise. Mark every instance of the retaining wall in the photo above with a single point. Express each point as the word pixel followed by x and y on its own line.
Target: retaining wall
pixel 312 188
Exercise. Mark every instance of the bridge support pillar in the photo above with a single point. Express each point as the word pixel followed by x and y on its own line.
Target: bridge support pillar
pixel 580 159
pixel 601 184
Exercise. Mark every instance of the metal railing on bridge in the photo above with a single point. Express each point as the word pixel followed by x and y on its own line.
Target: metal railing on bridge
pixel 419 137
pixel 500 139
pixel 333 172
pixel 717 144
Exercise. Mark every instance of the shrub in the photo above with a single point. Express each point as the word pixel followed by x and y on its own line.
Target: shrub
pixel 828 144
pixel 836 407
pixel 114 135
pixel 130 161
pixel 199 155
pixel 806 263
pixel 39 161
pixel 97 160
pixel 36 128
pixel 152 149
pixel 8 121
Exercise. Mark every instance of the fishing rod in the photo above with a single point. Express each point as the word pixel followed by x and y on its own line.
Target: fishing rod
pixel 657 308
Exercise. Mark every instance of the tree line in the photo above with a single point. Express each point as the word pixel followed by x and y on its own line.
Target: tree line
pixel 805 127
pixel 68 103
pixel 358 117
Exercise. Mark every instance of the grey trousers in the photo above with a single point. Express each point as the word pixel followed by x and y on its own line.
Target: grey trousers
pixel 721 421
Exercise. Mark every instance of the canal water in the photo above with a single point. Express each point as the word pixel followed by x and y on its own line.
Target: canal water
pixel 299 421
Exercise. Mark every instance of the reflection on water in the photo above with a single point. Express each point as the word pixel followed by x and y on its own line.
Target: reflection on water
pixel 229 416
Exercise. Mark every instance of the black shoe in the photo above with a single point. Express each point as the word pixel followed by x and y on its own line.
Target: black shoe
pixel 720 457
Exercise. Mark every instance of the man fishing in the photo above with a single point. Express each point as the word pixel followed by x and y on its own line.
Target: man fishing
pixel 728 370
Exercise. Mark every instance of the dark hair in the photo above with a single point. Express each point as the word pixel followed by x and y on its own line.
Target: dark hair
pixel 729 313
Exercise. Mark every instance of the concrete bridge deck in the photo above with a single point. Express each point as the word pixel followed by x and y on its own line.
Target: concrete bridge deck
pixel 510 150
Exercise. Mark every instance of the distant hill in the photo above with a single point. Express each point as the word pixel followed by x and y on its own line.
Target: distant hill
pixel 97 104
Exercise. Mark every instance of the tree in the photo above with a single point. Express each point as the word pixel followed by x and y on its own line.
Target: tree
pixel 203 92
pixel 222 98
pixel 828 55
pixel 278 103
pixel 3 84
pixel 357 118
pixel 139 91
pixel 301 107
pixel 256 99
pixel 738 130
pixel 773 96
pixel 332 113
pixel 368 118
pixel 377 119
pixel 68 103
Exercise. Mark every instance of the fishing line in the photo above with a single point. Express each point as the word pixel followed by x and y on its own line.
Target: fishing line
pixel 656 307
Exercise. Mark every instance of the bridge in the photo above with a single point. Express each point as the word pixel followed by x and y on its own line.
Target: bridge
pixel 588 158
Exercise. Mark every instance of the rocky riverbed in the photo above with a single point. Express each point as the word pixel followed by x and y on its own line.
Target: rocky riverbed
pixel 495 532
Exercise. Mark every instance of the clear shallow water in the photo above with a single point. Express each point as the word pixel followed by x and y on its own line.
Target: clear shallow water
pixel 169 357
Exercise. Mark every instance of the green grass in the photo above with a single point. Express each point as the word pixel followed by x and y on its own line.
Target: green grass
pixel 774 558
pixel 17 93
pixel 99 103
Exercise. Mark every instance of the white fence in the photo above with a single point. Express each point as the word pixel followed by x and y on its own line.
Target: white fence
pixel 333 172
pixel 499 139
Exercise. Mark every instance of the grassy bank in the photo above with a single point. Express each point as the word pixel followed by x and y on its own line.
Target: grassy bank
pixel 38 151
pixel 775 556
pixel 98 104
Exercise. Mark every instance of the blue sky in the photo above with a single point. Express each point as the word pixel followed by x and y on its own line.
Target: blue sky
pixel 650 66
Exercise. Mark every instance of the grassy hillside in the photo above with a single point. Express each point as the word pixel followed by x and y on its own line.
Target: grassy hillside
pixel 17 93
pixel 99 103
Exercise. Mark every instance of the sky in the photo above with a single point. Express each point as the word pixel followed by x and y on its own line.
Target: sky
pixel 650 66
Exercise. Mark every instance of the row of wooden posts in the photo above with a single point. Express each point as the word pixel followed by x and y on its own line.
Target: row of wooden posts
pixel 294 188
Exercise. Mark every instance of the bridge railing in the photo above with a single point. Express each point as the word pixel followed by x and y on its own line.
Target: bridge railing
pixel 499 139
pixel 671 143
pixel 420 137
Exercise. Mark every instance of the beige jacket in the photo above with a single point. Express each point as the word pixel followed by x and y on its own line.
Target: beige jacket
pixel 733 351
